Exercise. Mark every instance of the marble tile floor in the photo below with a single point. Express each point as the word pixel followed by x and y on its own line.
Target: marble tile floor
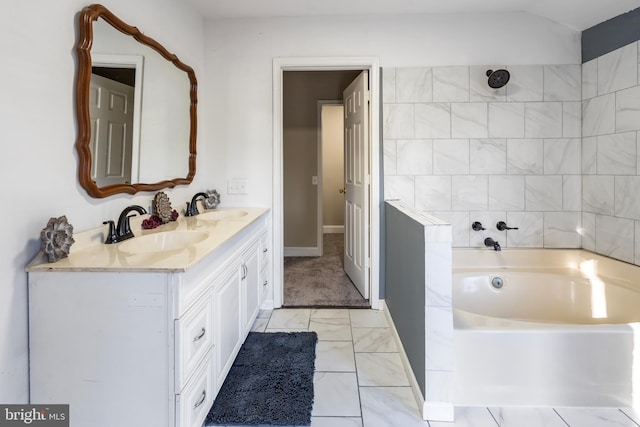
pixel 360 380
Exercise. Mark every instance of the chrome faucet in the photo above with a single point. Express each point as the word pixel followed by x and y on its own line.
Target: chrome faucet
pixel 192 208
pixel 489 242
pixel 123 230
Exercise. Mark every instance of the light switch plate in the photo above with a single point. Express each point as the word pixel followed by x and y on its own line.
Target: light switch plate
pixel 238 186
pixel 314 180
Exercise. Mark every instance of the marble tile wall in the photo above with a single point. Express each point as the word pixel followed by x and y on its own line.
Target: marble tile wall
pixel 438 320
pixel 611 154
pixel 464 152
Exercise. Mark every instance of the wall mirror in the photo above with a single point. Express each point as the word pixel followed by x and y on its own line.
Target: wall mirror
pixel 136 106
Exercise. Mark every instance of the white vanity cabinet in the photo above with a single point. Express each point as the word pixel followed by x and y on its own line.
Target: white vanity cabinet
pixel 148 347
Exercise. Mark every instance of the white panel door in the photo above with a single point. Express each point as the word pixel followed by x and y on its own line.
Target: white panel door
pixel 111 110
pixel 356 167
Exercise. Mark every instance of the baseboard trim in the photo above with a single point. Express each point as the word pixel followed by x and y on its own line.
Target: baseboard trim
pixel 267 305
pixel 295 251
pixel 333 229
pixel 438 411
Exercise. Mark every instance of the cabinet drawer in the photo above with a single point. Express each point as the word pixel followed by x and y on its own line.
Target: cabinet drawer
pixel 193 404
pixel 194 338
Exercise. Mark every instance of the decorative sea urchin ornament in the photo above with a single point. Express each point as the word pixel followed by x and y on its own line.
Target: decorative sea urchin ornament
pixel 57 238
pixel 162 207
pixel 212 200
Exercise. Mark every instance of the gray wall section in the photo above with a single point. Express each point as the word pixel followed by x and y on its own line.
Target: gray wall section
pixel 610 35
pixel 405 293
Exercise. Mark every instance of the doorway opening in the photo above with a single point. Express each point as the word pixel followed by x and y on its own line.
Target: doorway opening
pixel 319 279
pixel 288 213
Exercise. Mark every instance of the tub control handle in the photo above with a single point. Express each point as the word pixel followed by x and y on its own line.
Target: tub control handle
pixel 477 226
pixel 501 225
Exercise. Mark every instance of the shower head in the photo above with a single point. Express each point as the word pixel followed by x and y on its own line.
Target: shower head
pixel 498 78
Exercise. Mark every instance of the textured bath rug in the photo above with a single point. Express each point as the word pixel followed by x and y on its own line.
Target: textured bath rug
pixel 270 382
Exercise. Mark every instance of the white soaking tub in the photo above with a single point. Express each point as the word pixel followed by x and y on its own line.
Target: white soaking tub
pixel 562 330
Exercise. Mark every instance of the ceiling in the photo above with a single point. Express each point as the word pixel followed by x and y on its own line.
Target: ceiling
pixel 575 14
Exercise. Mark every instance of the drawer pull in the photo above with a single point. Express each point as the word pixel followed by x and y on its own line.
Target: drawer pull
pixel 199 337
pixel 202 399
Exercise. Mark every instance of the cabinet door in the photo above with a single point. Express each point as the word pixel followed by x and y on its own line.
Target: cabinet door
pixel 265 270
pixel 264 250
pixel 265 286
pixel 226 296
pixel 250 285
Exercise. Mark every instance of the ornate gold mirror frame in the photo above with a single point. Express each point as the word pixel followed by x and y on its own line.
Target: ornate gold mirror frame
pixel 83 49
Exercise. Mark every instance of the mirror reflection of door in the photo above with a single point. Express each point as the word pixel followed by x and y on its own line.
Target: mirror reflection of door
pixel 111 110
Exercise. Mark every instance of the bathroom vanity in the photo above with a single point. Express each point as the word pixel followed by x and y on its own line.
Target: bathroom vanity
pixel 144 332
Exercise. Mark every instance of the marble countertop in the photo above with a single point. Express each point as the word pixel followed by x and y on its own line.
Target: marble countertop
pixel 89 253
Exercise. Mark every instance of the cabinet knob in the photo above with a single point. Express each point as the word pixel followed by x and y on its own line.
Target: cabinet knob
pixel 266 282
pixel 265 250
pixel 202 399
pixel 199 337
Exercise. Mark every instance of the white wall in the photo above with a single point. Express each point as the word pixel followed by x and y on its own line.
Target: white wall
pixel 240 54
pixel 39 165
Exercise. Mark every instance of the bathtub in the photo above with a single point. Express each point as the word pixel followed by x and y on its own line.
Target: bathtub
pixel 556 328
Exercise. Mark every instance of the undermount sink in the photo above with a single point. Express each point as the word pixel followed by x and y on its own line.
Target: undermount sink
pixel 222 214
pixel 160 242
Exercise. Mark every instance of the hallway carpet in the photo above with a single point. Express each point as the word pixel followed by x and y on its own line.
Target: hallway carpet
pixel 321 281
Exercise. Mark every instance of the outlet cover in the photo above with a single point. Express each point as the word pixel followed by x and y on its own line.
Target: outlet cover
pixel 238 186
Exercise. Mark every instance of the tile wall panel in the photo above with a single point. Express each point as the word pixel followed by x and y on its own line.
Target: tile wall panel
pixel 477 153
pixel 610 168
pixel 555 152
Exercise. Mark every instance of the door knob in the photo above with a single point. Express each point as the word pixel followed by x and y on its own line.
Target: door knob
pixel 342 190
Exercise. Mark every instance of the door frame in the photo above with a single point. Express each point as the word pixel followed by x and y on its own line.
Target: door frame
pixel 371 64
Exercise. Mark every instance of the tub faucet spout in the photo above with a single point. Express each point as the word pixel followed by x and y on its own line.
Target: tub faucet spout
pixel 489 242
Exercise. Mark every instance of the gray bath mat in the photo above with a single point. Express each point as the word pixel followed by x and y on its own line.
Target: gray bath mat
pixel 270 382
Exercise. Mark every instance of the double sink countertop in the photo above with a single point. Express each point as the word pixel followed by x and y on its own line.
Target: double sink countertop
pixel 175 246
